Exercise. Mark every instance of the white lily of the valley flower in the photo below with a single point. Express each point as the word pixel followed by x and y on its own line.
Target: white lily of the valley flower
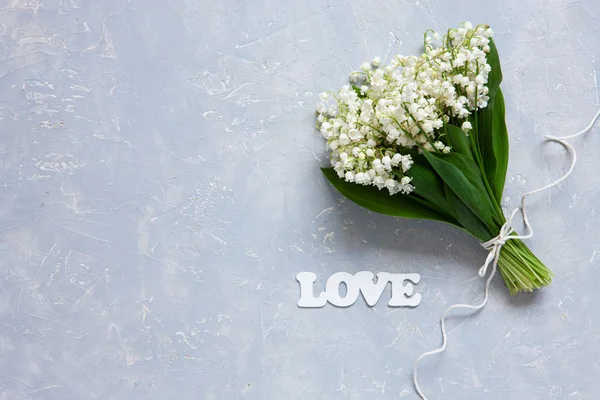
pixel 370 127
pixel 466 126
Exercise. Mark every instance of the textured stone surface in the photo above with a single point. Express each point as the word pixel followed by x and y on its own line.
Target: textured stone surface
pixel 160 190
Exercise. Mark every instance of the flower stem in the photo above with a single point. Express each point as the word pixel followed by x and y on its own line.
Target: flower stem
pixel 521 269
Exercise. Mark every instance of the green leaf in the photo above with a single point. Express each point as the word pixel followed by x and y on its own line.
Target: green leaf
pixel 495 75
pixel 465 217
pixel 490 137
pixel 463 177
pixel 500 148
pixel 429 185
pixel 380 201
pixel 458 140
pixel 483 119
pixel 493 144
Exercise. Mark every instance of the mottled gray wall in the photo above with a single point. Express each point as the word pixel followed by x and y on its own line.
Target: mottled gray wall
pixel 160 190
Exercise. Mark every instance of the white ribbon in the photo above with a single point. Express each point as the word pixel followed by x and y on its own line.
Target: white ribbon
pixel 495 244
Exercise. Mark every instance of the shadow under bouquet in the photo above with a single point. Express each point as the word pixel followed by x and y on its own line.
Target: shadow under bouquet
pixel 425 137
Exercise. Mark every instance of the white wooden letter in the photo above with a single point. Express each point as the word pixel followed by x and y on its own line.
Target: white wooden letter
pixel 332 289
pixel 307 296
pixel 402 294
pixel 371 291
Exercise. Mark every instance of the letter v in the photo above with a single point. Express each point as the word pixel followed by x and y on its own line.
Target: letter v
pixel 371 291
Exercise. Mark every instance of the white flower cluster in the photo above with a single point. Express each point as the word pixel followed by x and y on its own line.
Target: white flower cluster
pixel 372 125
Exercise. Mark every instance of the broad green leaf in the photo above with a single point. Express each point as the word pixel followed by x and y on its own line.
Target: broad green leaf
pixel 493 144
pixel 483 118
pixel 500 148
pixel 458 140
pixel 380 201
pixel 463 176
pixel 489 137
pixel 495 75
pixel 429 185
pixel 465 217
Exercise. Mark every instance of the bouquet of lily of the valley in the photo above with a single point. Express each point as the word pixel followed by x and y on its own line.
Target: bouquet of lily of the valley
pixel 425 137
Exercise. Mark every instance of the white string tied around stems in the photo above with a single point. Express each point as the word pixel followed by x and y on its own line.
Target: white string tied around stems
pixel 495 244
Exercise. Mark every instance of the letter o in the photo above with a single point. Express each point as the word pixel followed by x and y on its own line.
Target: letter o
pixel 332 289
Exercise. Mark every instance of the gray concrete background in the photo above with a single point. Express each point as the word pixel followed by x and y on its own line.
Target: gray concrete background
pixel 160 190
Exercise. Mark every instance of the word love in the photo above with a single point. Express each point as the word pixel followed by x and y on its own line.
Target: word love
pixel 361 282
